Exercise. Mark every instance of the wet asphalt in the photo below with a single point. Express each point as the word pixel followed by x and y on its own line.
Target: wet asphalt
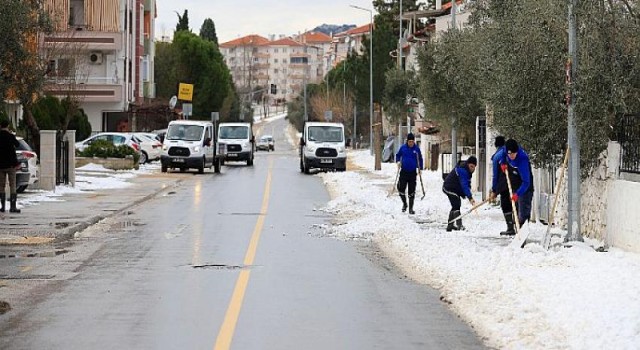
pixel 233 260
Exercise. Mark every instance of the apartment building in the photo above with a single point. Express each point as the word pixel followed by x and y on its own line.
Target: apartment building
pixel 101 53
pixel 345 42
pixel 255 61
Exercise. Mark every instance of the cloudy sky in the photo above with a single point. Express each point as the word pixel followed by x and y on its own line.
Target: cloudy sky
pixel 237 18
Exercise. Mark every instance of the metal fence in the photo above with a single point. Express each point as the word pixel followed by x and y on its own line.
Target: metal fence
pixel 629 138
pixel 62 159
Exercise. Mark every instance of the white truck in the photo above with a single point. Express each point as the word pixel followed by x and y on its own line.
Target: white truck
pixel 322 146
pixel 189 144
pixel 239 139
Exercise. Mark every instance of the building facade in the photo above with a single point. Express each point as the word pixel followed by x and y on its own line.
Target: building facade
pixel 101 54
pixel 282 64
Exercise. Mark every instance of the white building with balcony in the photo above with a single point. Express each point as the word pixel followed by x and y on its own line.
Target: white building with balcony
pixel 101 56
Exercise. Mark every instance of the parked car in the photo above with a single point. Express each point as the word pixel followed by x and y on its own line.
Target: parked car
pixel 117 138
pixel 150 147
pixel 263 143
pixel 160 134
pixel 29 171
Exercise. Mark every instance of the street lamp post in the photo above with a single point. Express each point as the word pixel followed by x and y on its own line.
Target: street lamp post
pixel 370 74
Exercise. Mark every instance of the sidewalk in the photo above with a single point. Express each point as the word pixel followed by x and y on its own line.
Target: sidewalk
pixel 56 216
pixel 568 297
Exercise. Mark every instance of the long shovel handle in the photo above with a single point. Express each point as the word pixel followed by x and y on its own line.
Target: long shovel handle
pixel 420 175
pixel 395 183
pixel 513 203
pixel 547 235
pixel 470 210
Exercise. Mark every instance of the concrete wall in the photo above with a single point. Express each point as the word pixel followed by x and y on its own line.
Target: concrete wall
pixel 623 221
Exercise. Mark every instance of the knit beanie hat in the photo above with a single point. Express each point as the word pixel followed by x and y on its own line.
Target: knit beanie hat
pixel 499 141
pixel 410 136
pixel 472 160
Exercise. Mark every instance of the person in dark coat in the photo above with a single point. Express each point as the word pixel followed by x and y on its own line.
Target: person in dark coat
pixel 409 159
pixel 457 185
pixel 8 166
pixel 514 161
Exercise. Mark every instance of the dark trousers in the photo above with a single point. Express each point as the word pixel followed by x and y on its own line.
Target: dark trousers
pixel 454 199
pixel 523 205
pixel 407 178
pixel 9 173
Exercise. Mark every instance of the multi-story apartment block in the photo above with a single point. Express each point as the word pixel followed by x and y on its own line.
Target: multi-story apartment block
pixel 346 42
pixel 102 56
pixel 323 43
pixel 256 61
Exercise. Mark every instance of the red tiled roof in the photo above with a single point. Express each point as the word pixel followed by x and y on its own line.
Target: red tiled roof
pixel 316 37
pixel 448 5
pixel 246 40
pixel 285 42
pixel 359 30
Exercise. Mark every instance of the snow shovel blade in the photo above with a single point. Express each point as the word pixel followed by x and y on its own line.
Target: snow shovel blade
pixel 520 239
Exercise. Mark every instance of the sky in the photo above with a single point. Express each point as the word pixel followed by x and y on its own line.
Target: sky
pixel 532 298
pixel 234 19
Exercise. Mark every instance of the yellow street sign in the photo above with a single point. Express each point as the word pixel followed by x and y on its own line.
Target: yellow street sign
pixel 185 92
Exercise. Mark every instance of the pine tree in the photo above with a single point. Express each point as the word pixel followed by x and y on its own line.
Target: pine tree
pixel 183 22
pixel 208 31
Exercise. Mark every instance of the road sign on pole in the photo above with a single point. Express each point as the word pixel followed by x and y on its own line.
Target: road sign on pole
pixel 187 109
pixel 215 116
pixel 328 116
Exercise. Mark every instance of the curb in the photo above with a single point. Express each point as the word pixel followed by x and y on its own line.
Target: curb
pixel 70 232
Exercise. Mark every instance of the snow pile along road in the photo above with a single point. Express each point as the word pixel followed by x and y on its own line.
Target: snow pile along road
pixel 515 298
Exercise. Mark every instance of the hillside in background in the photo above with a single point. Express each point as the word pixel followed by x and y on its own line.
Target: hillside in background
pixel 333 28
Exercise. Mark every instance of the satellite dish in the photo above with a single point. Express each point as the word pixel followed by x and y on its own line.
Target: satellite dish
pixel 173 101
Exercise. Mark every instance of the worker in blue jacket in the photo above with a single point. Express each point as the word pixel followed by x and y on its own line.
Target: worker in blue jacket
pixel 514 161
pixel 409 160
pixel 458 185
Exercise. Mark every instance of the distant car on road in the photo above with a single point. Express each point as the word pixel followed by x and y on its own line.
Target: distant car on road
pixel 265 143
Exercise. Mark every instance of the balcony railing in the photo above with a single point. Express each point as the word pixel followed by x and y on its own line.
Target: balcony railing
pixel 629 138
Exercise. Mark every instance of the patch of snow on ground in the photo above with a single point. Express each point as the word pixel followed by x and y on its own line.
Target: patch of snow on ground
pixel 565 298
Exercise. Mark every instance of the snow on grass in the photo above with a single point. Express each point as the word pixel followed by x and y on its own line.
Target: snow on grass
pixel 565 298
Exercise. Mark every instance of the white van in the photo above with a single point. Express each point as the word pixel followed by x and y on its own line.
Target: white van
pixel 238 137
pixel 322 146
pixel 188 144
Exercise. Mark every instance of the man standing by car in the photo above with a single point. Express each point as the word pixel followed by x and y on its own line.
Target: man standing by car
pixel 8 164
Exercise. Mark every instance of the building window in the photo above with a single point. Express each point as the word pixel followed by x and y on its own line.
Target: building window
pixel 275 60
pixel 275 50
pixel 76 13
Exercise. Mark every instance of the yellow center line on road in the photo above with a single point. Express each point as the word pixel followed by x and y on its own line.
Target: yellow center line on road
pixel 223 342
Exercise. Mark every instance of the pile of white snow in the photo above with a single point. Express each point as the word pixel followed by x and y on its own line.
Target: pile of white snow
pixel 514 298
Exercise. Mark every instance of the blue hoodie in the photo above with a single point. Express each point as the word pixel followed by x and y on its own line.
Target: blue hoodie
pixel 459 181
pixel 498 158
pixel 409 156
pixel 522 164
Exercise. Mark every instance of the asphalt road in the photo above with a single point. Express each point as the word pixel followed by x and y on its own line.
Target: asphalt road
pixel 232 260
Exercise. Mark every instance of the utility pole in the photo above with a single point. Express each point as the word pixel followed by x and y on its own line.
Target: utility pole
pixel 454 119
pixel 573 233
pixel 306 116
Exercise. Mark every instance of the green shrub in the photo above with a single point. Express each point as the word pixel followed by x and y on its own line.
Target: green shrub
pixel 106 149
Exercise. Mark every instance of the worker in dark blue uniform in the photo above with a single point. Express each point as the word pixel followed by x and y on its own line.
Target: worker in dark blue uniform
pixel 409 160
pixel 514 161
pixel 457 185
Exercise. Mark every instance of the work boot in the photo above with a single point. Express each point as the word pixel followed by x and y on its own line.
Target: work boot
pixel 404 202
pixel 510 225
pixel 459 226
pixel 450 225
pixel 13 199
pixel 3 198
pixel 411 198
